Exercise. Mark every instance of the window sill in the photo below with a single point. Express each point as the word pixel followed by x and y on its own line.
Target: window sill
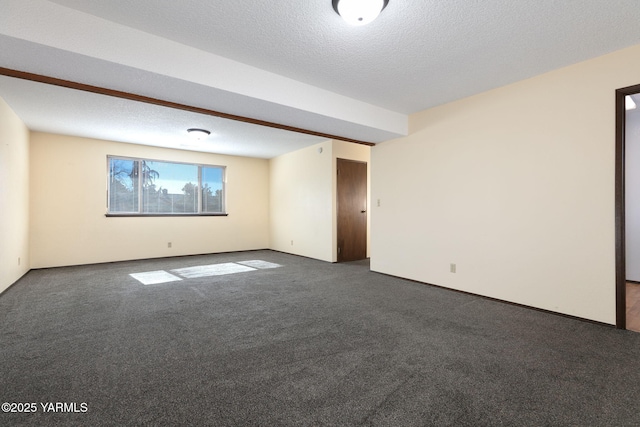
pixel 129 215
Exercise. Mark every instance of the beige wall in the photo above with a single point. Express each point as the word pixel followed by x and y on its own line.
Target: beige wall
pixel 68 203
pixel 303 198
pixel 14 197
pixel 301 202
pixel 515 186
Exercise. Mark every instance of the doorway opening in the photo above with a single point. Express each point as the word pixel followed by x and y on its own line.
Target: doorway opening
pixel 627 297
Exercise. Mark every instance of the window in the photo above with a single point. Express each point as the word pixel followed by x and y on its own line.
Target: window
pixel 151 187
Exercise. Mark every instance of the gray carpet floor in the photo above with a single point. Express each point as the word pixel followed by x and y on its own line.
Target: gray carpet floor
pixel 306 344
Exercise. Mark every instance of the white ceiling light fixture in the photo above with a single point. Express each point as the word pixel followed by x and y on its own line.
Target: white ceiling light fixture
pixel 198 134
pixel 629 104
pixel 359 12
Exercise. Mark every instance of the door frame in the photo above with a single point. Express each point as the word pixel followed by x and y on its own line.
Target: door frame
pixel 621 265
pixel 337 205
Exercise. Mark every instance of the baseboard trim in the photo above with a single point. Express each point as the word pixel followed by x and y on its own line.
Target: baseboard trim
pixel 148 259
pixel 376 272
pixel 15 283
pixel 301 256
pixel 569 316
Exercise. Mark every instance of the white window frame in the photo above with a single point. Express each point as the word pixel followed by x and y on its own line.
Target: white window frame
pixel 140 212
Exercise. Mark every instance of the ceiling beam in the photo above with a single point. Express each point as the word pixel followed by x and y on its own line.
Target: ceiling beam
pixel 154 101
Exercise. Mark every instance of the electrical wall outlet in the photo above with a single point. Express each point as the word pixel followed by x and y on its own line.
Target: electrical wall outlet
pixel 452 268
pixel 169 245
pixel 292 243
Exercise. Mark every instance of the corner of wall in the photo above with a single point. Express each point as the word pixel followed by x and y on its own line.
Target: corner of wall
pixel 521 199
pixel 300 202
pixel 14 197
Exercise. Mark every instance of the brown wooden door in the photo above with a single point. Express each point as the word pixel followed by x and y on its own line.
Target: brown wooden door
pixel 352 210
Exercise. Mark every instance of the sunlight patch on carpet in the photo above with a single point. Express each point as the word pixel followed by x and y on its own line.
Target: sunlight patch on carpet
pixel 161 276
pixel 212 270
pixel 154 277
pixel 256 263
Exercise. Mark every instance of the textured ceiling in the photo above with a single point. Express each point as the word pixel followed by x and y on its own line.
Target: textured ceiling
pixel 295 63
pixel 417 54
pixel 93 116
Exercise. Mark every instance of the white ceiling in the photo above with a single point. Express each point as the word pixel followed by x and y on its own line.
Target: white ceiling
pixel 114 119
pixel 294 63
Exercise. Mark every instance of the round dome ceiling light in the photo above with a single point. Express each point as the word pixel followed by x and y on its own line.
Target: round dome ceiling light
pixel 198 134
pixel 359 12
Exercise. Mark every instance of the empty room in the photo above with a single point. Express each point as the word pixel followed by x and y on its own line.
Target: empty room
pixel 321 213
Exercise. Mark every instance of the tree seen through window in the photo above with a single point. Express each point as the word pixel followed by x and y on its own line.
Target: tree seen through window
pixel 138 186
